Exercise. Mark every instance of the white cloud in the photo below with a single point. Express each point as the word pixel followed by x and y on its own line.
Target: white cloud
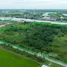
pixel 34 4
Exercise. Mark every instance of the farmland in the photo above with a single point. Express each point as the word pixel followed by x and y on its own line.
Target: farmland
pixel 14 60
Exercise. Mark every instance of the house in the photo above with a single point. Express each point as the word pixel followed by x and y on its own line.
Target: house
pixel 44 66
pixel 64 16
pixel 47 17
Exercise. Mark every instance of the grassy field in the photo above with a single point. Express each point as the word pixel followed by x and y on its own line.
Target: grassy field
pixel 8 59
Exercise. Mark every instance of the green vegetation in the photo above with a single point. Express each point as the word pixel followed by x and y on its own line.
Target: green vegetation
pixel 30 56
pixel 15 13
pixel 47 38
pixel 12 60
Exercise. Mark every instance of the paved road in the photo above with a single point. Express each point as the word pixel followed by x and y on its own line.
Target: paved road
pixel 30 20
pixel 57 62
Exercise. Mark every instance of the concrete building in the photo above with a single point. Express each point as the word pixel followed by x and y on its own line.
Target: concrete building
pixel 65 15
pixel 47 17
pixel 44 66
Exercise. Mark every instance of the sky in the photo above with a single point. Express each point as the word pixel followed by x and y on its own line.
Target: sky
pixel 33 4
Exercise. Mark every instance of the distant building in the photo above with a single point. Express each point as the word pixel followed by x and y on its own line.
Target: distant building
pixel 44 66
pixel 47 17
pixel 65 15
pixel 46 14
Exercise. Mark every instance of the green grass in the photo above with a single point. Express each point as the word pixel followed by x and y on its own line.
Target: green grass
pixel 8 59
pixel 50 24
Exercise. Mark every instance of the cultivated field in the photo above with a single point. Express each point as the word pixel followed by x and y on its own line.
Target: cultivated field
pixel 8 59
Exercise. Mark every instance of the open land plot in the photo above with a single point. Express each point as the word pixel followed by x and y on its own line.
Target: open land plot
pixel 8 59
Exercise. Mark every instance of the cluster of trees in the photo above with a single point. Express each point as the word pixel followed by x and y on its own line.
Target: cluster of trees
pixel 41 38
pixel 21 14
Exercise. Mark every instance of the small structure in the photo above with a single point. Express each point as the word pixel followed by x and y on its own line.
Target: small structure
pixel 44 66
pixel 39 54
pixel 1 42
pixel 47 17
pixel 65 15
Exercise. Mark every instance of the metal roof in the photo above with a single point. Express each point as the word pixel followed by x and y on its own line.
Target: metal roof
pixel 44 66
